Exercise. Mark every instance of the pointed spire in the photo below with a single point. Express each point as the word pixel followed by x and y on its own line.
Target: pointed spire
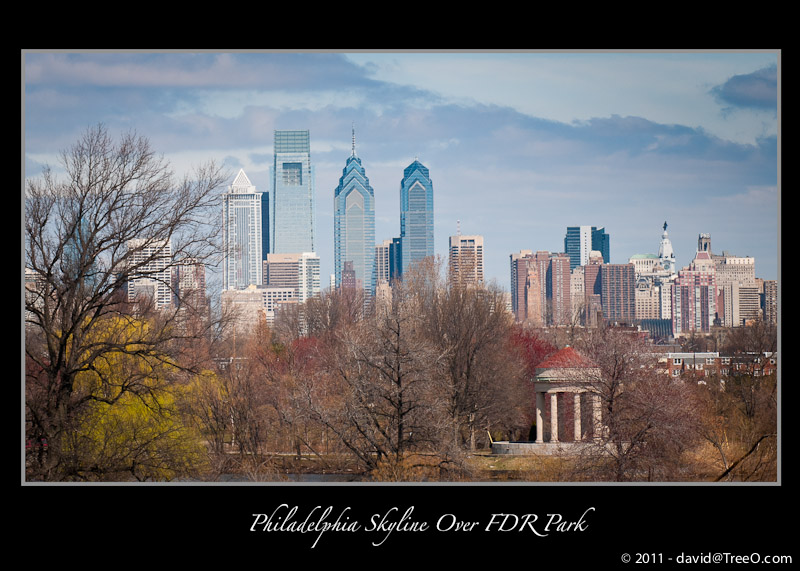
pixel 354 139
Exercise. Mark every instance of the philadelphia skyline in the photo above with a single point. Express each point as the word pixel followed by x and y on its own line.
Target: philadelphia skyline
pixel 520 145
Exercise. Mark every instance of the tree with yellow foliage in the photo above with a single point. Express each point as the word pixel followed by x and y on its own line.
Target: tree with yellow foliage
pixel 92 358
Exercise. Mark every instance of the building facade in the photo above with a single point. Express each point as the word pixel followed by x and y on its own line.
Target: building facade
pixel 354 224
pixel 153 278
pixel 466 259
pixel 581 240
pixel 519 274
pixel 245 221
pixel 299 272
pixel 416 215
pixel 694 293
pixel 190 280
pixel 618 292
pixel 559 284
pixel 254 303
pixel 738 296
pixel 292 200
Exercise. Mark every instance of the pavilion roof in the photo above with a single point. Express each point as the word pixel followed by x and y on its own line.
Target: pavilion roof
pixel 566 358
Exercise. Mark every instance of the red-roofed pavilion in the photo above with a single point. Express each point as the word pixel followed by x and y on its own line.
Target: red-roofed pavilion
pixel 566 372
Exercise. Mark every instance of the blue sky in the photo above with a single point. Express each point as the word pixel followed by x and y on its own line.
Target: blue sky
pixel 519 145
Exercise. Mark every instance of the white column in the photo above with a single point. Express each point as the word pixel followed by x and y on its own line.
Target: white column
pixel 577 408
pixel 597 425
pixel 553 417
pixel 539 416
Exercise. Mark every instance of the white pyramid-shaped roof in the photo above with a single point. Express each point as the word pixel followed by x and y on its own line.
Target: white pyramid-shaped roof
pixel 241 183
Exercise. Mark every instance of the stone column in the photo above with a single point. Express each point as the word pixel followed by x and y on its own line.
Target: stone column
pixel 597 417
pixel 577 408
pixel 554 417
pixel 539 417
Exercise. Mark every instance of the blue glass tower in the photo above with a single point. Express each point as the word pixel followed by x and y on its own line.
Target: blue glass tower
pixel 354 224
pixel 581 240
pixel 292 200
pixel 416 215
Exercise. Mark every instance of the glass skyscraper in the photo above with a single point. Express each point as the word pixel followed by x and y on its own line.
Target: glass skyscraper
pixel 581 240
pixel 245 233
pixel 416 215
pixel 292 210
pixel 354 224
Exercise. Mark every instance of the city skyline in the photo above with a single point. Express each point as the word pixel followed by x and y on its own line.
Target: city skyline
pixel 516 156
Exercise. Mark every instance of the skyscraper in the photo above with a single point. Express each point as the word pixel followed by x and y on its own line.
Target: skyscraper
pixel 153 277
pixel 694 293
pixel 383 262
pixel 466 259
pixel 190 280
pixel 292 201
pixel 618 289
pixel 558 289
pixel 416 215
pixel 354 224
pixel 519 278
pixel 581 240
pixel 245 222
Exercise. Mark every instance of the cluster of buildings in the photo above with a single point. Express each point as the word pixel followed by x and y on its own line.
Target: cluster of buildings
pixel 271 260
pixel 580 286
pixel 270 249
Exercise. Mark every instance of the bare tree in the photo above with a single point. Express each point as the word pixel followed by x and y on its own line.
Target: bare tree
pixel 332 309
pixel 741 419
pixel 648 420
pixel 381 405
pixel 480 377
pixel 88 234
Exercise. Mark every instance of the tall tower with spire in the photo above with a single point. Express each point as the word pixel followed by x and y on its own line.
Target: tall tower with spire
pixel 354 224
pixel 666 256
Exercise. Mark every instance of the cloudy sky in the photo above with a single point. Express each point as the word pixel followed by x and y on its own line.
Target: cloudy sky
pixel 519 145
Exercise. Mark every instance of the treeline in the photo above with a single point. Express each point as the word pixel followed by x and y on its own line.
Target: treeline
pixel 403 389
pixel 399 389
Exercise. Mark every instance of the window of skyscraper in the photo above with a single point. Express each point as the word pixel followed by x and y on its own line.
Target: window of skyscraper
pixel 292 174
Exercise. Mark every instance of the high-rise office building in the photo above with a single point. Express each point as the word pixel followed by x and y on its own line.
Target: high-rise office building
pixel 190 282
pixel 152 279
pixel 292 200
pixel 299 272
pixel 592 290
pixel 618 292
pixel 580 241
pixel 348 281
pixel 519 276
pixel 534 297
pixel 383 262
pixel 354 224
pixel 559 281
pixel 466 259
pixel 770 303
pixel 416 215
pixel 694 293
pixel 738 293
pixel 245 222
